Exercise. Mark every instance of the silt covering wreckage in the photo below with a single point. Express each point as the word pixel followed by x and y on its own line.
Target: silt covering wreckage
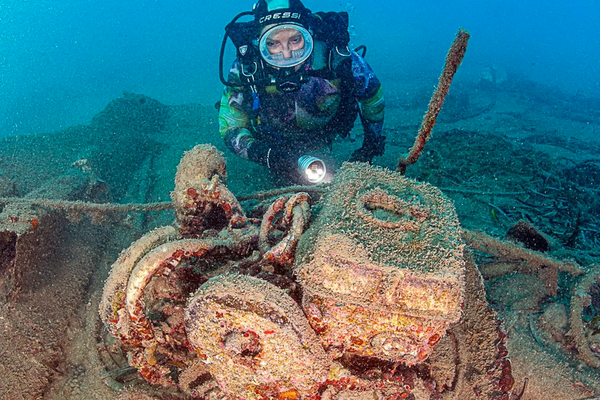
pixel 250 308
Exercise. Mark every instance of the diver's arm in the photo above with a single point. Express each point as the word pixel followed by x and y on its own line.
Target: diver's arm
pixel 368 91
pixel 234 120
pixel 233 123
pixel 234 128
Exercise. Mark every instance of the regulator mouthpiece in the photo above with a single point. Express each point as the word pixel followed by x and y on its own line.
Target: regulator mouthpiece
pixel 312 168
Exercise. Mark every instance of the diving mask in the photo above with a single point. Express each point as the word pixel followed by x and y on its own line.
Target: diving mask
pixel 285 45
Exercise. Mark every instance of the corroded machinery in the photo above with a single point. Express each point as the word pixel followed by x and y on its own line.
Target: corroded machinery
pixel 382 267
pixel 226 306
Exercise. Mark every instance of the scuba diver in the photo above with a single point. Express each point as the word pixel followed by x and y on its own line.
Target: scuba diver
pixel 294 86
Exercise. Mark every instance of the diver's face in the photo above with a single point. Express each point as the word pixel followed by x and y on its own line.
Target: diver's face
pixel 285 41
pixel 285 45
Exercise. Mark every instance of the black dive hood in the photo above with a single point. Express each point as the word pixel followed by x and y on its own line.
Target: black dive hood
pixel 245 34
pixel 295 12
pixel 328 27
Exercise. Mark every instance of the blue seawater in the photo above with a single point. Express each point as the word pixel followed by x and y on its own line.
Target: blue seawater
pixel 62 61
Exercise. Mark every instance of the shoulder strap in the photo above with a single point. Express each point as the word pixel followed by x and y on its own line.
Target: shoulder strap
pixel 241 34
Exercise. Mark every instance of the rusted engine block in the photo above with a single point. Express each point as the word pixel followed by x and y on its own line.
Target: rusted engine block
pixel 382 267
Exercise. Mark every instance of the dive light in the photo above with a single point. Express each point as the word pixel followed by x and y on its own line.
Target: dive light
pixel 312 168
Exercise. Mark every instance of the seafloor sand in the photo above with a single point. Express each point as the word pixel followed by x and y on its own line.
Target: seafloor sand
pixel 516 137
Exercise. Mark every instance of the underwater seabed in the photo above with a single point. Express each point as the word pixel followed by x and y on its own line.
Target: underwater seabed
pixel 520 162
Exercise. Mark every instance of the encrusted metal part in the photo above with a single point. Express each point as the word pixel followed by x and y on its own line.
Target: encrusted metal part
pixel 255 339
pixel 114 289
pixel 382 267
pixel 207 309
pixel 203 203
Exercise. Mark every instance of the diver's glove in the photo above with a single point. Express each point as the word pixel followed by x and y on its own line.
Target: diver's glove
pixel 278 159
pixel 369 149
